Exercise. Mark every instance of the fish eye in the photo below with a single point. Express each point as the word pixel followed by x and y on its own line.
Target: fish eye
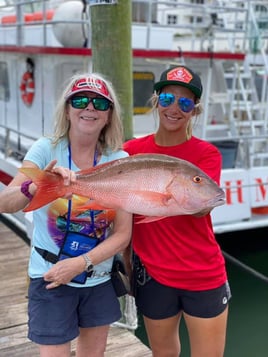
pixel 197 179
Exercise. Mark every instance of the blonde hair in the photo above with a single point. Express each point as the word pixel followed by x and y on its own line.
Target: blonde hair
pixel 111 135
pixel 198 109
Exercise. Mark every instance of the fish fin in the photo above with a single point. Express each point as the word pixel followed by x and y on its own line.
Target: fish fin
pixel 147 219
pixel 49 187
pixel 157 197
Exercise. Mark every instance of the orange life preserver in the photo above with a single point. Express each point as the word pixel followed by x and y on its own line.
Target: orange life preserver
pixel 27 88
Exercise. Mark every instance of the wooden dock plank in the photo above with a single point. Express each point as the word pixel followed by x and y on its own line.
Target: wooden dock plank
pixel 14 255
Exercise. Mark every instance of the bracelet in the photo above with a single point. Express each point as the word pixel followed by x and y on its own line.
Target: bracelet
pixel 25 189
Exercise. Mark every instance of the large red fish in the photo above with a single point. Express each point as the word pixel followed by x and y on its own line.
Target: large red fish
pixel 146 184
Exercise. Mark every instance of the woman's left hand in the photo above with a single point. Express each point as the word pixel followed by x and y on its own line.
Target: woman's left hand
pixel 64 271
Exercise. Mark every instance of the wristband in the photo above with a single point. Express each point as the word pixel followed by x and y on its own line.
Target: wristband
pixel 25 189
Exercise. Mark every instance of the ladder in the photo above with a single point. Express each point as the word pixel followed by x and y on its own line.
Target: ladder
pixel 245 111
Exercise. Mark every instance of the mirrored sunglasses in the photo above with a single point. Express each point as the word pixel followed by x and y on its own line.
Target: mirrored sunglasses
pixel 185 104
pixel 81 102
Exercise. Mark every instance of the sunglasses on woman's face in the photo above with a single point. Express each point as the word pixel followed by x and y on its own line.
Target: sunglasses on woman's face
pixel 81 102
pixel 185 104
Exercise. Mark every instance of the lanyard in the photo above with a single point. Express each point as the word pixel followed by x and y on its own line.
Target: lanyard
pixel 70 201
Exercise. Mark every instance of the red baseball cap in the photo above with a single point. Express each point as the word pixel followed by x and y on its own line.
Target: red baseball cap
pixel 90 84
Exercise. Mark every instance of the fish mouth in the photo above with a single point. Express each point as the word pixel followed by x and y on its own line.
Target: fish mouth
pixel 217 201
pixel 220 202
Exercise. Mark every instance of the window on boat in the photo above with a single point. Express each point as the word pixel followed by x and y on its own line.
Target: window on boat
pixel 143 83
pixel 172 19
pixel 4 83
pixel 229 152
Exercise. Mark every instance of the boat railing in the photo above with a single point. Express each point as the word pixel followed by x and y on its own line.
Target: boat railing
pixel 37 13
pixel 237 151
pixel 199 29
pixel 14 143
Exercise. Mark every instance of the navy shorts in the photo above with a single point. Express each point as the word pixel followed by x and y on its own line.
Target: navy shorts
pixel 157 301
pixel 55 315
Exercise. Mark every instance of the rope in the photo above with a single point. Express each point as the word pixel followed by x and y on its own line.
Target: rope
pixel 245 267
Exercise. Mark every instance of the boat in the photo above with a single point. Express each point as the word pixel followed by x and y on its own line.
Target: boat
pixel 225 42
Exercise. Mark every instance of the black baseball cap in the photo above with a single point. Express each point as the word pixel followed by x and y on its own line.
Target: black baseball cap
pixel 182 76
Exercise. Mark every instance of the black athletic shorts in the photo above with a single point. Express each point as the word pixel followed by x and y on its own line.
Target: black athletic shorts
pixel 157 301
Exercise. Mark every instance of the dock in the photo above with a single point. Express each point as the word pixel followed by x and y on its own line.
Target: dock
pixel 14 254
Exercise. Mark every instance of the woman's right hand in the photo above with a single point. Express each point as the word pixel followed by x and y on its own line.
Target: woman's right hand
pixel 68 175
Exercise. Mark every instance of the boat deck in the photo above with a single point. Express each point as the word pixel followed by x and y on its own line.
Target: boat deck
pixel 14 253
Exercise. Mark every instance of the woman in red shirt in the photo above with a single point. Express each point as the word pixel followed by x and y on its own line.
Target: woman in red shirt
pixel 179 269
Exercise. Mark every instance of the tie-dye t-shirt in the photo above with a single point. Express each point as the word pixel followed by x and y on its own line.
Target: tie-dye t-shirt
pixel 50 221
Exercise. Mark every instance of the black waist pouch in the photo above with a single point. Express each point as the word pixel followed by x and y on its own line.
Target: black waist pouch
pixel 139 274
pixel 76 244
pixel 119 277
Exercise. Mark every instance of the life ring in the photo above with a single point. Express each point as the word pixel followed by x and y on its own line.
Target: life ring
pixel 27 88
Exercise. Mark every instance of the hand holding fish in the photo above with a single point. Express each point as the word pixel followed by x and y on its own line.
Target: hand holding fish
pixel 64 271
pixel 67 175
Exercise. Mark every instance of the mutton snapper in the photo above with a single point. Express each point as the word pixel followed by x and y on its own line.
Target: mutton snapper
pixel 152 185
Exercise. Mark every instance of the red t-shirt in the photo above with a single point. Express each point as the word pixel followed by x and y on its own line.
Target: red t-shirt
pixel 181 251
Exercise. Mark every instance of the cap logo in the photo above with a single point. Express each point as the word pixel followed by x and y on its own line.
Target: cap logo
pixel 179 74
pixel 93 84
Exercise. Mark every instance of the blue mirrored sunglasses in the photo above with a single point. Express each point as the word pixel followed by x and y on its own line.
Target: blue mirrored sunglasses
pixel 185 104
pixel 81 102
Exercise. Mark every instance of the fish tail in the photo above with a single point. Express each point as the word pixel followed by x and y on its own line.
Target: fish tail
pixel 49 187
